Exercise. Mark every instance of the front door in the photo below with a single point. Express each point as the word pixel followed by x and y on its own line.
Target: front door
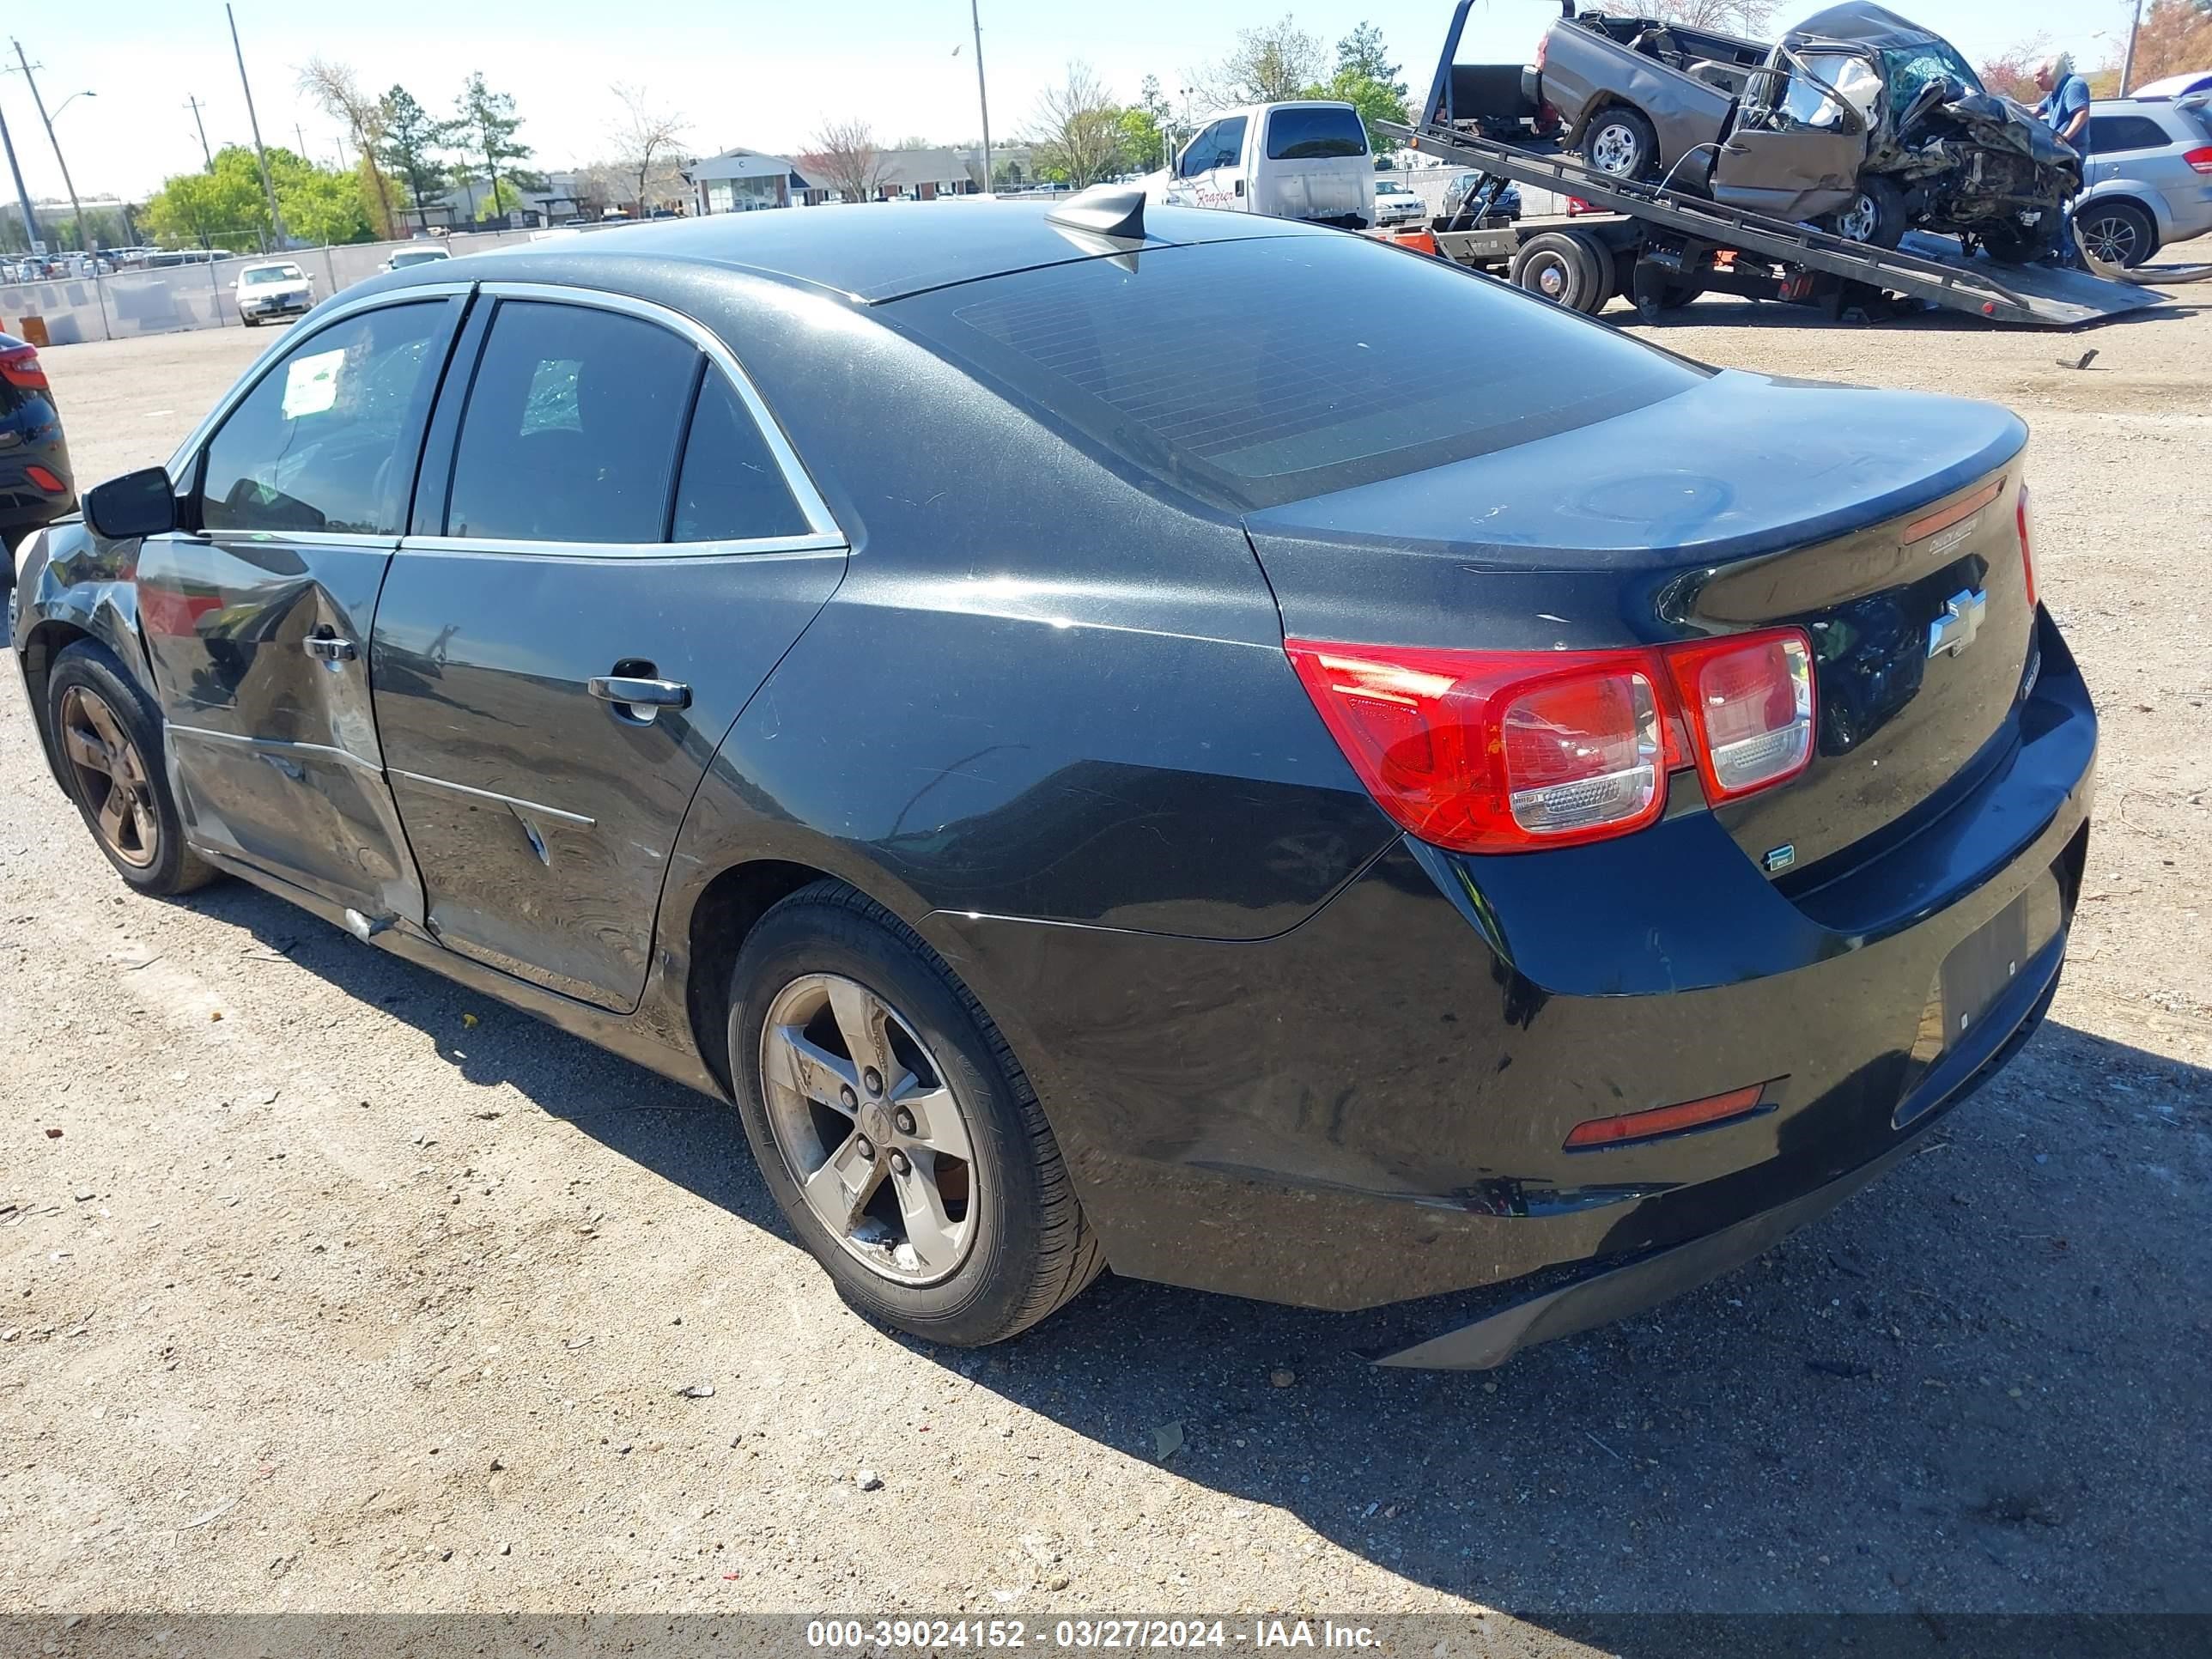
pixel 1798 157
pixel 257 616
pixel 626 554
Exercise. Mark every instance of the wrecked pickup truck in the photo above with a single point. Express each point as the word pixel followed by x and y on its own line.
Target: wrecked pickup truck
pixel 1858 120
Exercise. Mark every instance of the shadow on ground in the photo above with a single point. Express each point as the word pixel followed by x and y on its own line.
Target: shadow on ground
pixel 1978 1386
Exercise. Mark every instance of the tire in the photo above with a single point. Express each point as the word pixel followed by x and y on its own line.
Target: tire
pixel 95 708
pixel 1621 142
pixel 1877 219
pixel 1604 272
pixel 1560 267
pixel 2013 244
pixel 2115 233
pixel 1020 1248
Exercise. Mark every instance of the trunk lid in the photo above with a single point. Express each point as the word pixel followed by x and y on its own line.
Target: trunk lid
pixel 1883 524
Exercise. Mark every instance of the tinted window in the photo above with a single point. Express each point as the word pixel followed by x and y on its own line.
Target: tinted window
pixel 317 444
pixel 732 489
pixel 1304 134
pixel 2108 133
pixel 1228 143
pixel 1258 372
pixel 571 429
pixel 1199 157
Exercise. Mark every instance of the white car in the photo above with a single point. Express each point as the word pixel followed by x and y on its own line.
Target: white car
pixel 276 288
pixel 407 256
pixel 1394 204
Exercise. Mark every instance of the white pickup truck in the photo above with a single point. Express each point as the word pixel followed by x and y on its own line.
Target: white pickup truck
pixel 1302 160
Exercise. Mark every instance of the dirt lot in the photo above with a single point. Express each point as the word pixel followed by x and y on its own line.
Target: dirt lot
pixel 341 1289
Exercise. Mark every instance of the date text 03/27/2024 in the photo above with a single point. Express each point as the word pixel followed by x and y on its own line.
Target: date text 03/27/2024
pixel 884 1635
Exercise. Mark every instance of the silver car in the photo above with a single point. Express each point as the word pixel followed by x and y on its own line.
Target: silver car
pixel 1396 205
pixel 2149 178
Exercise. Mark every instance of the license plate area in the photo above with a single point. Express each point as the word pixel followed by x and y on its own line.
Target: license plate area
pixel 1984 965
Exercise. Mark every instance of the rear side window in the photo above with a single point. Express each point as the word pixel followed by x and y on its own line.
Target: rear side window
pixel 572 426
pixel 730 488
pixel 1255 371
pixel 2111 133
pixel 317 445
pixel 1306 134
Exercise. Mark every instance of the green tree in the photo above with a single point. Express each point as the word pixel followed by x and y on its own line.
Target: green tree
pixel 1366 79
pixel 1363 51
pixel 489 121
pixel 1075 137
pixel 412 140
pixel 1266 65
pixel 1144 128
pixel 223 207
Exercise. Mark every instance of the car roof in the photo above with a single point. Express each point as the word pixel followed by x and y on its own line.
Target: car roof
pixel 862 250
pixel 1862 24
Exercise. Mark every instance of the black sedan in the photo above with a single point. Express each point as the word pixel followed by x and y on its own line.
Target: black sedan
pixel 1100 761
pixel 36 487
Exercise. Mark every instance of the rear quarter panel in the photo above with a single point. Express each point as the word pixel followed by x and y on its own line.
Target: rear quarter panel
pixel 1584 71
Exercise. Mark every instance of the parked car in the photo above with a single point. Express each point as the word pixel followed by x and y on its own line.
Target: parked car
pixel 1494 199
pixel 1306 159
pixel 2150 176
pixel 1859 118
pixel 1394 204
pixel 428 254
pixel 36 485
pixel 273 288
pixel 1241 863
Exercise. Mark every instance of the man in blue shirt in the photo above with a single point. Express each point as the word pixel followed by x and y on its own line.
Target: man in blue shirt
pixel 2065 111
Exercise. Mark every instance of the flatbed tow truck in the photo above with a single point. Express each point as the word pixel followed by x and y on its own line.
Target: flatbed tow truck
pixel 1661 247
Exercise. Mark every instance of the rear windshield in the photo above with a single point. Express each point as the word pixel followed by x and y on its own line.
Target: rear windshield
pixel 1255 372
pixel 1304 134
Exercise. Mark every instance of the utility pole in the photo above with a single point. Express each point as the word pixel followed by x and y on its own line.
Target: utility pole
pixel 267 189
pixel 22 196
pixel 38 103
pixel 2127 63
pixel 206 155
pixel 983 98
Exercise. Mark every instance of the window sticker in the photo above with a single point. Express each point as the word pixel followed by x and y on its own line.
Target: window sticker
pixel 311 383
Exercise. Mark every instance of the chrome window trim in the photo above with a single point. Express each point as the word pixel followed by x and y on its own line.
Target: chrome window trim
pixel 513 801
pixel 179 465
pixel 280 746
pixel 819 518
pixel 508 547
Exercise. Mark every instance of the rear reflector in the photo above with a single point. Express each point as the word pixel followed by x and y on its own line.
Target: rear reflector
pixel 1665 1119
pixel 2027 521
pixel 42 479
pixel 1750 699
pixel 2200 158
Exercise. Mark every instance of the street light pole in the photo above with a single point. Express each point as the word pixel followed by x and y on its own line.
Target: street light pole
pixel 84 236
pixel 206 155
pixel 2128 61
pixel 983 98
pixel 267 189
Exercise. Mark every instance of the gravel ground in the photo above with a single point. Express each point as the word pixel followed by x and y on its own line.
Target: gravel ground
pixel 324 1284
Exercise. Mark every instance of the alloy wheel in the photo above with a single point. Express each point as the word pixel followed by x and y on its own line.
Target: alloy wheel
pixel 1614 150
pixel 870 1128
pixel 111 778
pixel 1856 223
pixel 2111 240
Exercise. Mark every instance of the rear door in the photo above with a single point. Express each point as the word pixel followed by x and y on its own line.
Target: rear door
pixel 619 545
pixel 1799 156
pixel 1312 162
pixel 257 617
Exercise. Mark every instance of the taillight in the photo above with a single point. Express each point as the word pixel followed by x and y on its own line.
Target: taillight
pixel 20 366
pixel 2200 158
pixel 2027 521
pixel 42 479
pixel 1749 698
pixel 1494 751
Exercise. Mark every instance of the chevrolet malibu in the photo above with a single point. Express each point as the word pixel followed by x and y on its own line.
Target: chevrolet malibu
pixel 1104 764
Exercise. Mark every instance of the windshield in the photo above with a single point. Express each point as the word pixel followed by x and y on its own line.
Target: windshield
pixel 1251 373
pixel 1908 69
pixel 419 256
pixel 261 274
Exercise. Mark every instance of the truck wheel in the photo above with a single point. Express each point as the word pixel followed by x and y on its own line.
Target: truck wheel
pixel 1622 142
pixel 1604 273
pixel 1558 267
pixel 1876 217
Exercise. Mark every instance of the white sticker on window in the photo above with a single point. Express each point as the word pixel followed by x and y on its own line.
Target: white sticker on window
pixel 311 383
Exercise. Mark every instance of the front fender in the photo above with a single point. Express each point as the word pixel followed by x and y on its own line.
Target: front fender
pixel 72 586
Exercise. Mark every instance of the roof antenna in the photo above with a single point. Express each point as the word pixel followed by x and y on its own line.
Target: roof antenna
pixel 1115 210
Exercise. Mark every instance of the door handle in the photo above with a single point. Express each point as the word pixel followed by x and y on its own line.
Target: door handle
pixel 638 700
pixel 325 647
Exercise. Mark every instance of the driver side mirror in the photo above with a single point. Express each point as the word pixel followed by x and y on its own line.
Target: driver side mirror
pixel 141 503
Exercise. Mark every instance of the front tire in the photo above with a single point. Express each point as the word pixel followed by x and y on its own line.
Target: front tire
pixel 2115 233
pixel 108 735
pixel 894 1127
pixel 1876 217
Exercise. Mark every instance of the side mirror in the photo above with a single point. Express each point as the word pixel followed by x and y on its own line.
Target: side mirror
pixel 141 503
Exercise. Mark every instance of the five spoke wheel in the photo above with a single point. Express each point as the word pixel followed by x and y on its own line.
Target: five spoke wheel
pixel 111 776
pixel 869 1128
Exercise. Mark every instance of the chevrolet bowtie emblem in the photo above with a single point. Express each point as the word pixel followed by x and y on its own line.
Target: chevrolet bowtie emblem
pixel 1961 619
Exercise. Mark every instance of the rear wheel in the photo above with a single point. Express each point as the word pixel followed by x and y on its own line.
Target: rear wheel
pixel 1604 273
pixel 895 1128
pixel 1560 267
pixel 109 738
pixel 1876 217
pixel 2013 244
pixel 2115 233
pixel 1621 141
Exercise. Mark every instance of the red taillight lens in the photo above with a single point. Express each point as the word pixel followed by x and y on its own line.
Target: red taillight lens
pixel 45 480
pixel 2027 520
pixel 1749 698
pixel 1498 751
pixel 19 366
pixel 1665 1119
pixel 2200 158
